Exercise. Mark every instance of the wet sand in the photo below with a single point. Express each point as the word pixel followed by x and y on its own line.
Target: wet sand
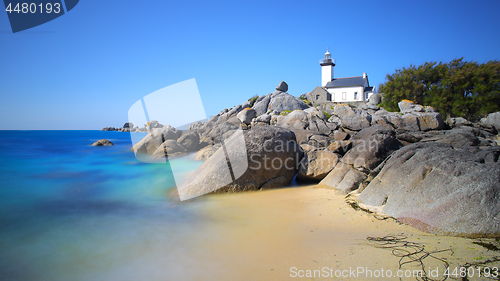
pixel 266 235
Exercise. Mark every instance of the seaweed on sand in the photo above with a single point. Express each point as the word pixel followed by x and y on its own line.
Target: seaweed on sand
pixel 410 252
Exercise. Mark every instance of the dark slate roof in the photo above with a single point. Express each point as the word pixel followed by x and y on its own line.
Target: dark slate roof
pixel 318 90
pixel 369 89
pixel 346 82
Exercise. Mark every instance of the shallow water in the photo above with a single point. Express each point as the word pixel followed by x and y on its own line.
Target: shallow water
pixel 72 211
pixel 69 211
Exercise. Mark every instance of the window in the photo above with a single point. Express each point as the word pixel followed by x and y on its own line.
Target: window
pixel 343 96
pixel 355 95
pixel 366 95
pixel 317 97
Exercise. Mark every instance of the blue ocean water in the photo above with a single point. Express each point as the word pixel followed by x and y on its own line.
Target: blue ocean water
pixel 69 210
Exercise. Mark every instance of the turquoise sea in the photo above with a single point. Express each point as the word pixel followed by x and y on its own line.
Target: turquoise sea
pixel 70 211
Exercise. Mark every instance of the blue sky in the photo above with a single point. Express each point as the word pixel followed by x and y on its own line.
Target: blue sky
pixel 85 69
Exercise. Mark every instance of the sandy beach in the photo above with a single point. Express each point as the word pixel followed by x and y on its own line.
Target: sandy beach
pixel 272 235
pixel 295 233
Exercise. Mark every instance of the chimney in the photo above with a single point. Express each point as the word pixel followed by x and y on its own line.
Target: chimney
pixel 364 75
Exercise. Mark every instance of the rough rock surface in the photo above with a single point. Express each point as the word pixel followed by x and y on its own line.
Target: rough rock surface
pixel 102 142
pixel 456 138
pixel 270 160
pixel 282 86
pixel 278 101
pixel 375 99
pixel 493 119
pixel 316 164
pixel 458 122
pixel 128 125
pixel 352 118
pixel 169 149
pixel 246 115
pixel 359 161
pixel 438 188
pixel 155 138
pixel 189 140
pixel 406 106
pixel 207 152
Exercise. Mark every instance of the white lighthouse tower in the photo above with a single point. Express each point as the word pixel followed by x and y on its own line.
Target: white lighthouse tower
pixel 327 65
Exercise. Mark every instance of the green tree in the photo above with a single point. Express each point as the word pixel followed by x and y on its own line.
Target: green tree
pixel 457 88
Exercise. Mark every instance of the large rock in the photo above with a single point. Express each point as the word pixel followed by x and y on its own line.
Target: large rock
pixel 154 139
pixel 359 161
pixel 128 125
pixel 340 147
pixel 316 164
pixel 344 178
pixel 102 142
pixel 406 106
pixel 297 119
pixel 458 122
pixel 207 152
pixel 278 101
pixel 375 99
pixel 493 119
pixel 153 124
pixel 373 130
pixel 246 115
pixel 406 122
pixel 169 149
pixel 340 135
pixel 430 121
pixel 217 132
pixel 190 140
pixel 456 138
pixel 437 188
pixel 282 86
pixel 260 158
pixel 264 118
pixel 370 152
pixel 352 118
pixel 379 119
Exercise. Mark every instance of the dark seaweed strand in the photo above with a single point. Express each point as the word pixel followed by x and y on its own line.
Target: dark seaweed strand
pixel 409 252
pixel 486 262
pixel 491 245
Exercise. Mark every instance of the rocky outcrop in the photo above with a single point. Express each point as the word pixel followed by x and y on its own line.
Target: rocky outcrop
pixel 438 188
pixel 207 152
pixel 316 164
pixel 352 118
pixel 406 106
pixel 102 142
pixel 246 115
pixel 154 139
pixel 169 149
pixel 260 158
pixel 371 147
pixel 278 101
pixel 312 120
pixel 458 122
pixel 493 119
pixel 282 87
pixel 128 125
pixel 409 163
pixel 190 140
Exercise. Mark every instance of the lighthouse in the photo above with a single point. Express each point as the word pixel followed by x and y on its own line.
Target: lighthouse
pixel 327 65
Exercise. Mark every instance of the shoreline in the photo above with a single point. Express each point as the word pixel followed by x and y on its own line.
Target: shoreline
pixel 310 228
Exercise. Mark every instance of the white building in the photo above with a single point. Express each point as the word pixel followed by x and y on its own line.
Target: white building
pixel 347 89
